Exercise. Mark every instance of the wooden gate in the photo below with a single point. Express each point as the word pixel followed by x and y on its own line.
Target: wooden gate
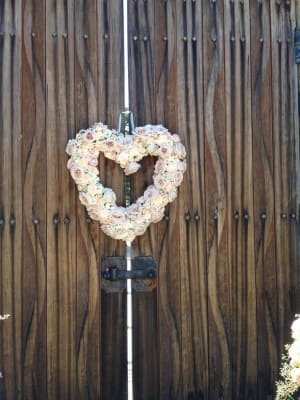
pixel 221 74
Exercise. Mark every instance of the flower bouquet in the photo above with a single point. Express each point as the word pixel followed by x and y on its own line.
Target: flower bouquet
pixel 289 384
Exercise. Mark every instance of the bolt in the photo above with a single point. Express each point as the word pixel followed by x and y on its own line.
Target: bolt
pixel 106 36
pixel 12 221
pixel 65 35
pixel 85 36
pixel 1 221
pixel 293 215
pixel 187 216
pixel 167 217
pixel 246 216
pixel 184 38
pixel 236 215
pixel 33 34
pixel 35 221
pixel 56 220
pixel 197 217
pixel 67 220
pixel 88 220
pixel 283 215
pixel 135 38
pixel 263 215
pixel 54 34
pixel 165 38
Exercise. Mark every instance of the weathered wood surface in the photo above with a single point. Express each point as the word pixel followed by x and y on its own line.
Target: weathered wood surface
pixel 222 75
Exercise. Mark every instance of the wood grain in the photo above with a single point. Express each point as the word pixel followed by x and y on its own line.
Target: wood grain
pixel 35 198
pixel 10 194
pixel 61 221
pixel 189 45
pixel 222 75
pixel 280 31
pixel 263 178
pixel 110 104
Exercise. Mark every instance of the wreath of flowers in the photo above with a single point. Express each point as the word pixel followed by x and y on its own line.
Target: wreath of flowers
pixel 125 223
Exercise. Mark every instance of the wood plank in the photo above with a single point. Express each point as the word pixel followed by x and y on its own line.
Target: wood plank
pixel 192 213
pixel 281 115
pixel 34 178
pixel 263 178
pixel 10 193
pixel 216 202
pixel 61 222
pixel 110 103
pixel 141 54
pixel 88 330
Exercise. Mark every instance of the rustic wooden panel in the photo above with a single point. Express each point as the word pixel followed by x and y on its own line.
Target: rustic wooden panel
pixel 216 201
pixel 192 211
pixel 61 223
pixel 263 179
pixel 141 55
pixel 88 290
pixel 153 77
pixel 222 75
pixel 110 103
pixel 10 196
pixel 35 199
pixel 283 133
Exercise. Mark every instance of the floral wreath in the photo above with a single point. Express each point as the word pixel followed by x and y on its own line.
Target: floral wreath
pixel 125 223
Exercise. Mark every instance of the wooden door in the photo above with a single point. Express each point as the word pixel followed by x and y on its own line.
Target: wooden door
pixel 221 74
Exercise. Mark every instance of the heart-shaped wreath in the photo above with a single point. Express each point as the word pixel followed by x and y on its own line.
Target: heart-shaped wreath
pixel 125 223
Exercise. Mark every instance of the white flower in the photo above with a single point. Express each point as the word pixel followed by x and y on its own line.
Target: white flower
pixel 296 329
pixel 294 353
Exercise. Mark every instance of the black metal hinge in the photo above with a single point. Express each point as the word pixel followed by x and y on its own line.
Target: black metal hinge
pixel 115 274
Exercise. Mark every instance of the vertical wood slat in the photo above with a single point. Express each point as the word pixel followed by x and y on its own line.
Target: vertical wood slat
pixel 10 193
pixel 61 224
pixel 189 44
pixel 110 103
pixel 34 200
pixel 281 35
pixel 87 235
pixel 216 202
pixel 263 178
pixel 141 56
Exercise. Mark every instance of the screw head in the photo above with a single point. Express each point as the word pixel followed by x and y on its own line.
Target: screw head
pixel 263 215
pixel 36 221
pixel 67 220
pixel 197 217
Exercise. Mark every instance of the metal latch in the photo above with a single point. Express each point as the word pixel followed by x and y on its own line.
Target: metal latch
pixel 114 274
